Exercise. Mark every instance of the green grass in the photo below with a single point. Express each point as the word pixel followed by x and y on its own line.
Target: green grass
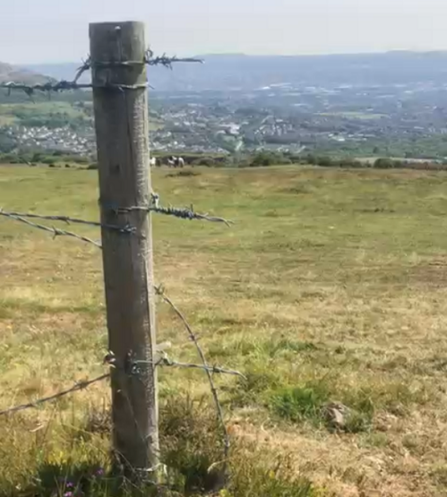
pixel 329 288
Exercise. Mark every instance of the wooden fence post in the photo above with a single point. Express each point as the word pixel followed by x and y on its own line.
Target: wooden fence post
pixel 121 122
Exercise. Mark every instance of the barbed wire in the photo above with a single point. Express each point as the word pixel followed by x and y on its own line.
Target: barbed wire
pixel 179 212
pixel 150 59
pixel 59 86
pixel 164 60
pixel 132 368
pixel 55 231
pixel 64 85
pixel 159 290
pixel 81 385
pixel 168 362
pixel 66 219
pixel 182 213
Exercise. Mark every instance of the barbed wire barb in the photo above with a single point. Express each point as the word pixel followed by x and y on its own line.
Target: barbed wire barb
pixel 166 61
pixel 190 214
pixel 179 212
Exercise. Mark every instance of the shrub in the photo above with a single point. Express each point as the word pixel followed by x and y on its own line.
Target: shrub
pixel 383 164
pixel 325 162
pixel 296 159
pixel 351 163
pixel 80 160
pixel 205 161
pixel 48 160
pixel 263 159
pixel 311 159
pixel 12 159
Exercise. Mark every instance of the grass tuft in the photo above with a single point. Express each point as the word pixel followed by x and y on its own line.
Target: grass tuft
pixel 298 403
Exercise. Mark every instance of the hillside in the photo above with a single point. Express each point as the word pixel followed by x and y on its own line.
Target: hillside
pixel 247 72
pixel 9 72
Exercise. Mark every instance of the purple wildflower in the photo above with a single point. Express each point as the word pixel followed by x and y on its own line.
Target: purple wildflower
pixel 68 494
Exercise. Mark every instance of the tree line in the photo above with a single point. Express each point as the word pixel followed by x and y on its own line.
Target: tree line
pixel 259 159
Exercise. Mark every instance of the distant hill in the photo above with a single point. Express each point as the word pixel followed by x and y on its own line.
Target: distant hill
pixel 9 72
pixel 247 72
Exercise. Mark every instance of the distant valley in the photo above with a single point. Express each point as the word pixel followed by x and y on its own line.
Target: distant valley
pixel 369 105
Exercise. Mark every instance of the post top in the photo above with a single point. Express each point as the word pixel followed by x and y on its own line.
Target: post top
pixel 116 24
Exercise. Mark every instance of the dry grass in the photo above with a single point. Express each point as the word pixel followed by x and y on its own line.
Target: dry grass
pixel 330 287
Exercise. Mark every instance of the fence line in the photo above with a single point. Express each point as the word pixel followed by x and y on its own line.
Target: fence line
pixel 132 369
pixel 155 207
pixel 59 86
pixel 178 212
pixel 67 220
pixel 78 386
pixel 130 366
pixel 54 231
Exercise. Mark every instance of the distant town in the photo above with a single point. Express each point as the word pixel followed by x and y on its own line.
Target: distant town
pixel 347 107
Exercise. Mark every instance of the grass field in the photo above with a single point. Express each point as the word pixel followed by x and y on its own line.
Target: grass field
pixel 329 288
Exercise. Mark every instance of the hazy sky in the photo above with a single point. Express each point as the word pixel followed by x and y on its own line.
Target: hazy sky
pixel 57 30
